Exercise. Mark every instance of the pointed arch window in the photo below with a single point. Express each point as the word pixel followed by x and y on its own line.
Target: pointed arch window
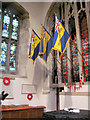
pixel 64 65
pixel 6 25
pixel 78 5
pixel 83 4
pixel 63 10
pixel 64 68
pixel 60 10
pixel 10 28
pixel 10 25
pixel 84 42
pixel 73 51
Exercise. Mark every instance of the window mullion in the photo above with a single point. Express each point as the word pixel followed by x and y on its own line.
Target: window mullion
pixel 9 43
pixel 17 46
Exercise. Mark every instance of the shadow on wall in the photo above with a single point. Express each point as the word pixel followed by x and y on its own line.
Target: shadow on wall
pixel 51 101
pixel 39 74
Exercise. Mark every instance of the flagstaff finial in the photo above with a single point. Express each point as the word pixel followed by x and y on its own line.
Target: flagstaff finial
pixel 54 13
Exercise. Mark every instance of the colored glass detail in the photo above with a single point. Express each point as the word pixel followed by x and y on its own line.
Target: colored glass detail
pixel 3 55
pixel 14 34
pixel 84 43
pixel 12 62
pixel 74 58
pixel 64 68
pixel 73 51
pixel 6 23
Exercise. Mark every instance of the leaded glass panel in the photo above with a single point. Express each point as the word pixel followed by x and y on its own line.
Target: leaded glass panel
pixel 6 23
pixel 74 58
pixel 3 55
pixel 12 62
pixel 64 68
pixel 14 28
pixel 84 43
pixel 73 51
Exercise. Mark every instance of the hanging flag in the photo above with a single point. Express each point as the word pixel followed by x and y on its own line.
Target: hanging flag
pixel 45 37
pixel 34 46
pixel 46 43
pixel 30 47
pixel 61 37
pixel 42 44
pixel 48 49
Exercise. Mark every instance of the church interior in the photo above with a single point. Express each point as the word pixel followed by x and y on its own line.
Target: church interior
pixel 53 85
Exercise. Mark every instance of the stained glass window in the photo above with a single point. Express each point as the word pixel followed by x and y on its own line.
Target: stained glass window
pixel 83 4
pixel 64 65
pixel 60 11
pixel 6 23
pixel 12 62
pixel 9 41
pixel 11 15
pixel 3 55
pixel 64 68
pixel 78 5
pixel 73 51
pixel 74 58
pixel 84 43
pixel 14 34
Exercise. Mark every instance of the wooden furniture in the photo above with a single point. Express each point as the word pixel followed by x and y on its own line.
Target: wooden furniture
pixel 21 111
pixel 59 88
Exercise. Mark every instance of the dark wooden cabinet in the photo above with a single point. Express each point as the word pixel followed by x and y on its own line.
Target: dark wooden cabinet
pixel 22 112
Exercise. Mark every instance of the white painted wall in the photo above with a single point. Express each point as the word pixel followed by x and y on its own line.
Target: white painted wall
pixel 80 102
pixel 37 12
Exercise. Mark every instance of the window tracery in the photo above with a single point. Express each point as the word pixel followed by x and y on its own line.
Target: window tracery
pixel 84 42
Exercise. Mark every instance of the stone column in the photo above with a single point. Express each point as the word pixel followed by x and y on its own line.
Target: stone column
pixel 78 37
pixel 68 45
pixel 23 46
pixel 88 23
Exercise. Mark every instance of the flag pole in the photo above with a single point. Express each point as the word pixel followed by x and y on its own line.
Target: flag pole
pixel 79 51
pixel 68 58
pixel 57 89
pixel 80 54
pixel 55 58
pixel 58 60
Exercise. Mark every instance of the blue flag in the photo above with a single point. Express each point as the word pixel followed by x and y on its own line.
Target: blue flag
pixel 48 49
pixel 34 46
pixel 46 43
pixel 61 37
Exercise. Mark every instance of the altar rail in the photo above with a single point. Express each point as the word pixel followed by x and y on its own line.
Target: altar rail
pixel 21 111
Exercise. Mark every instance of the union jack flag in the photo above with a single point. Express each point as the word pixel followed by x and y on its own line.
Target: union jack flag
pixel 34 46
pixel 61 37
pixel 57 24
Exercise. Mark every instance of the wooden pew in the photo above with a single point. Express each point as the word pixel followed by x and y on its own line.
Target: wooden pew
pixel 21 111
